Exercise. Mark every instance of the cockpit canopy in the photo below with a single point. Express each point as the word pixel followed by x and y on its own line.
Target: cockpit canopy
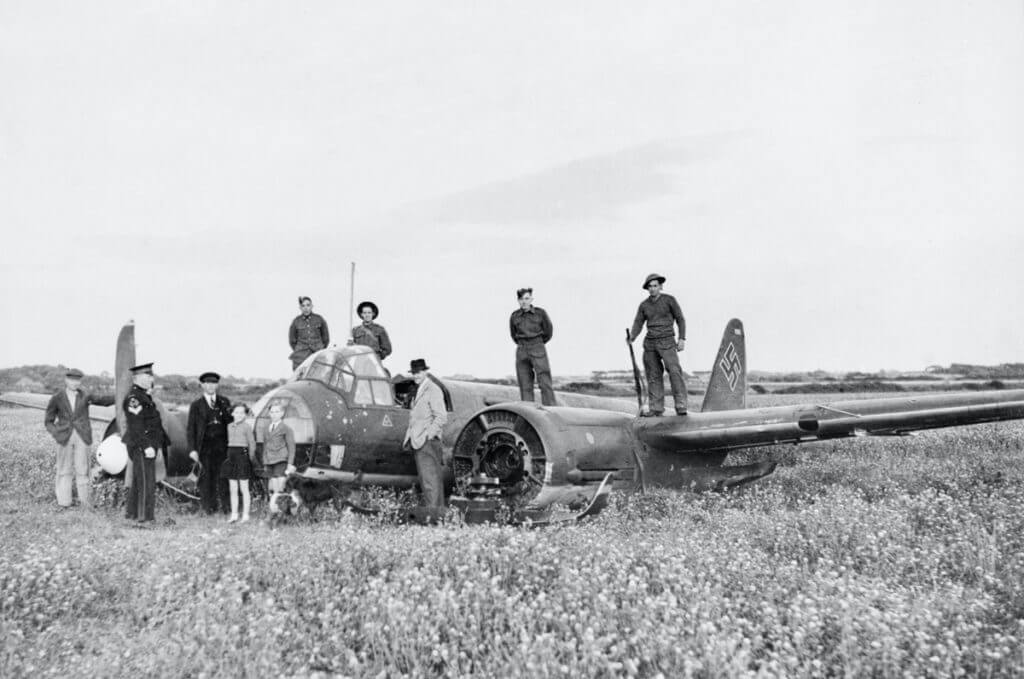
pixel 354 371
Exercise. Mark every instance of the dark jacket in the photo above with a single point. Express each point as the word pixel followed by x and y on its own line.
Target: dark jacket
pixel 530 325
pixel 659 314
pixel 144 428
pixel 308 333
pixel 60 419
pixel 205 424
pixel 374 336
pixel 279 446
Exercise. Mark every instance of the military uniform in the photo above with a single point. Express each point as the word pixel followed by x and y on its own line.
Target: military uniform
pixel 531 329
pixel 307 335
pixel 207 432
pixel 144 430
pixel 661 355
pixel 374 336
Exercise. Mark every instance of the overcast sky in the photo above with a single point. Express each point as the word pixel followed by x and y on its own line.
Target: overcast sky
pixel 845 177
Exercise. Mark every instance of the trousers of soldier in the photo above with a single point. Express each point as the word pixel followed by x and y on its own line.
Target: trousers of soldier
pixel 142 493
pixel 430 467
pixel 660 358
pixel 73 463
pixel 213 490
pixel 533 359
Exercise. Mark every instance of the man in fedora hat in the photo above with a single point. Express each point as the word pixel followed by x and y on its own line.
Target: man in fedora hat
pixel 307 334
pixel 423 437
pixel 207 433
pixel 660 311
pixel 67 420
pixel 371 334
pixel 144 437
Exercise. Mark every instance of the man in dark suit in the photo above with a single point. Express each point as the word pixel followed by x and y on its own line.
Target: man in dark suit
pixel 207 433
pixel 67 420
pixel 144 437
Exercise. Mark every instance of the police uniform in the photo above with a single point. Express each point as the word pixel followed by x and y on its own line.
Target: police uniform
pixel 306 335
pixel 207 433
pixel 144 430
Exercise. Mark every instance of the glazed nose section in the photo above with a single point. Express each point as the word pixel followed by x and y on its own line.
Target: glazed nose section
pixel 297 414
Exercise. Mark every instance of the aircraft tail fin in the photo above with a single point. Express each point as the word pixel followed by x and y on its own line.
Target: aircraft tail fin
pixel 124 359
pixel 727 387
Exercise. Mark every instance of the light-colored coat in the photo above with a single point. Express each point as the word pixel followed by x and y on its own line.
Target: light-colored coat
pixel 428 415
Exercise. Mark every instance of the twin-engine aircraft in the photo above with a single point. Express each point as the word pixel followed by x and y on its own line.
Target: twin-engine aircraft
pixel 536 463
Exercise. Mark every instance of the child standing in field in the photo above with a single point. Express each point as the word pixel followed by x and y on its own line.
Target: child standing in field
pixel 238 467
pixel 278 453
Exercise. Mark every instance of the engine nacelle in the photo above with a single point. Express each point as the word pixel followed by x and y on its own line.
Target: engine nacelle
pixel 521 447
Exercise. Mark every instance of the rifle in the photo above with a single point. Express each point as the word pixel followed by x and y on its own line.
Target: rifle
pixel 642 399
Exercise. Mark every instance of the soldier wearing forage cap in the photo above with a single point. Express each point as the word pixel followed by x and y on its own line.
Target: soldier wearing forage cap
pixel 371 334
pixel 660 312
pixel 207 433
pixel 307 334
pixel 144 437
pixel 67 420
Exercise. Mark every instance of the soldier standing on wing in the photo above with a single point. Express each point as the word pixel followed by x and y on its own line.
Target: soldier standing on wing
pixel 531 329
pixel 660 312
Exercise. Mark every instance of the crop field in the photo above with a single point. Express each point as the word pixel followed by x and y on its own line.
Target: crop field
pixel 873 557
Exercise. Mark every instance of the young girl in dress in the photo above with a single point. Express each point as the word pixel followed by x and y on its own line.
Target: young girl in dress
pixel 238 467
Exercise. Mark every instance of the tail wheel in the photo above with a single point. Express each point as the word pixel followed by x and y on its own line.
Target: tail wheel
pixel 501 445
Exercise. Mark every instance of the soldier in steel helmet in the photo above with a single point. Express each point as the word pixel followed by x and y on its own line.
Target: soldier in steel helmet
pixel 661 312
pixel 369 333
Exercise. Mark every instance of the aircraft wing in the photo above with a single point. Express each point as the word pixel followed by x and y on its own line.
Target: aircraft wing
pixel 40 401
pixel 731 429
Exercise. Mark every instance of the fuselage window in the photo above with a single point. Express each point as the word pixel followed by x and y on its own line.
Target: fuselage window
pixel 320 372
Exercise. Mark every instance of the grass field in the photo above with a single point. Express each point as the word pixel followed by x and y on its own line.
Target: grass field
pixel 877 557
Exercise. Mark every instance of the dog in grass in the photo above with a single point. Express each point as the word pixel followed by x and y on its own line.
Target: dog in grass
pixel 302 492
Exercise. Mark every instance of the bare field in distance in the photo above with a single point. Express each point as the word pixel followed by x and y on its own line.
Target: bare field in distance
pixel 872 557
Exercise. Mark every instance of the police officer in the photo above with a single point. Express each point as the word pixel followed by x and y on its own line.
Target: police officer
pixel 144 437
pixel 371 334
pixel 661 313
pixel 307 333
pixel 207 433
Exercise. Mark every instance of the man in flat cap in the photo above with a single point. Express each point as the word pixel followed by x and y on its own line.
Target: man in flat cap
pixel 371 334
pixel 307 334
pixel 144 437
pixel 207 433
pixel 423 437
pixel 67 420
pixel 660 311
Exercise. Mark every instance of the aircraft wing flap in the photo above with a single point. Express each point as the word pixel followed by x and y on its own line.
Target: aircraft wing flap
pixel 810 423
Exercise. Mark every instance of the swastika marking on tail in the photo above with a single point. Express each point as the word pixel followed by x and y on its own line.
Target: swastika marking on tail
pixel 731 366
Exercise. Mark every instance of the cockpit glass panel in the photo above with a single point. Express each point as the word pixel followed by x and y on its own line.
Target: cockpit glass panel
pixel 342 380
pixel 363 394
pixel 320 372
pixel 367 365
pixel 382 392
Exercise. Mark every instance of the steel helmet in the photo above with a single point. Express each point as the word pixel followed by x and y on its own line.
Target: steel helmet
pixel 112 455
